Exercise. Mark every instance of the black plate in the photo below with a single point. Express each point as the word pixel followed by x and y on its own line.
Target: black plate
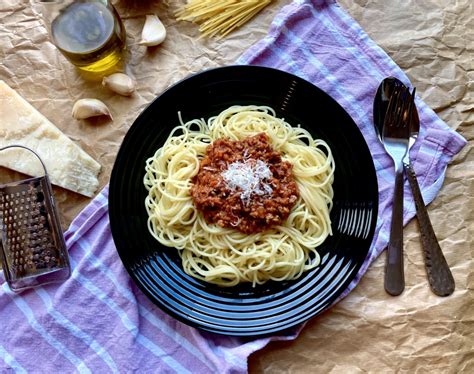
pixel 244 310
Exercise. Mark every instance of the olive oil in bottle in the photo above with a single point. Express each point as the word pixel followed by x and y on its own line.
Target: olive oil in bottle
pixel 90 34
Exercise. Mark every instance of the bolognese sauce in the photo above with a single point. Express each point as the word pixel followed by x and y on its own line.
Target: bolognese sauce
pixel 244 184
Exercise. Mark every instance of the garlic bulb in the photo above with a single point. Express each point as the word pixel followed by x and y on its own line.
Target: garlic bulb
pixel 153 32
pixel 85 108
pixel 119 83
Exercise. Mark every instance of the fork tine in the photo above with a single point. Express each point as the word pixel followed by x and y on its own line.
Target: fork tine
pixel 411 106
pixel 407 104
pixel 392 106
pixel 402 109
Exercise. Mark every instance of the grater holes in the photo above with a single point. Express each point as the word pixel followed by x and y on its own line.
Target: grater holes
pixel 39 197
pixel 24 218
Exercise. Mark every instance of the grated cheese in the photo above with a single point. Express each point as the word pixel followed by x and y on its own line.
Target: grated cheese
pixel 248 176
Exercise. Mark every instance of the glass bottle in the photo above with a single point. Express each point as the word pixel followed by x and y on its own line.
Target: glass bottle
pixel 89 33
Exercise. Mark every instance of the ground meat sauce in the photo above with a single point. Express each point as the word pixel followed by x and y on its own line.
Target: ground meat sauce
pixel 258 209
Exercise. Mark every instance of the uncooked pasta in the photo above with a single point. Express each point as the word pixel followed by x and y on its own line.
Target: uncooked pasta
pixel 220 17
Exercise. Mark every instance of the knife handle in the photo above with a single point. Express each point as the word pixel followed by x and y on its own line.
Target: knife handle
pixel 394 270
pixel 439 275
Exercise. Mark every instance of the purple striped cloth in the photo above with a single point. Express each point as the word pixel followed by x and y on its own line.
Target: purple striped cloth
pixel 98 321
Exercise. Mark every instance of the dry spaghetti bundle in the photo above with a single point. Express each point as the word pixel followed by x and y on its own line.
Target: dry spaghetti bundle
pixel 220 17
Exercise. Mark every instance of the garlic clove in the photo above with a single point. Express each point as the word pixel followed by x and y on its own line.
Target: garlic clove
pixel 119 83
pixel 153 32
pixel 85 108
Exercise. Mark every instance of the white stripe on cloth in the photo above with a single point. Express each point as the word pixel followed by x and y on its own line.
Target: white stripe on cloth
pixel 11 361
pixel 127 323
pixel 76 331
pixel 51 340
pixel 143 311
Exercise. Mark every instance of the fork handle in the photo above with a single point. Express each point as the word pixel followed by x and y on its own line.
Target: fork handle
pixel 394 271
pixel 439 275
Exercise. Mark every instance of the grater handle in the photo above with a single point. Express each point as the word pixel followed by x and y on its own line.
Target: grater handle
pixel 28 149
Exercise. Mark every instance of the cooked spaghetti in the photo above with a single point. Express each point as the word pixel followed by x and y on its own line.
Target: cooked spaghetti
pixel 221 254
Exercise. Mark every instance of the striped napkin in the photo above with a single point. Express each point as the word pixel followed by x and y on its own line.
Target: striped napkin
pixel 98 321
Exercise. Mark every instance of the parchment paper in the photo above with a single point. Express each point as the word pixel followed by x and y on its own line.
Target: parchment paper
pixel 369 331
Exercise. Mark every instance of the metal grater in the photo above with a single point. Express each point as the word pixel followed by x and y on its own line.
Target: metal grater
pixel 33 251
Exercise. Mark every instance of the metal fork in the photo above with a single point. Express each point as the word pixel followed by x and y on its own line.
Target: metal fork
pixel 395 137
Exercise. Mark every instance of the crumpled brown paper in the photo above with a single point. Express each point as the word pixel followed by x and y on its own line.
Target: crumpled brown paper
pixel 368 331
